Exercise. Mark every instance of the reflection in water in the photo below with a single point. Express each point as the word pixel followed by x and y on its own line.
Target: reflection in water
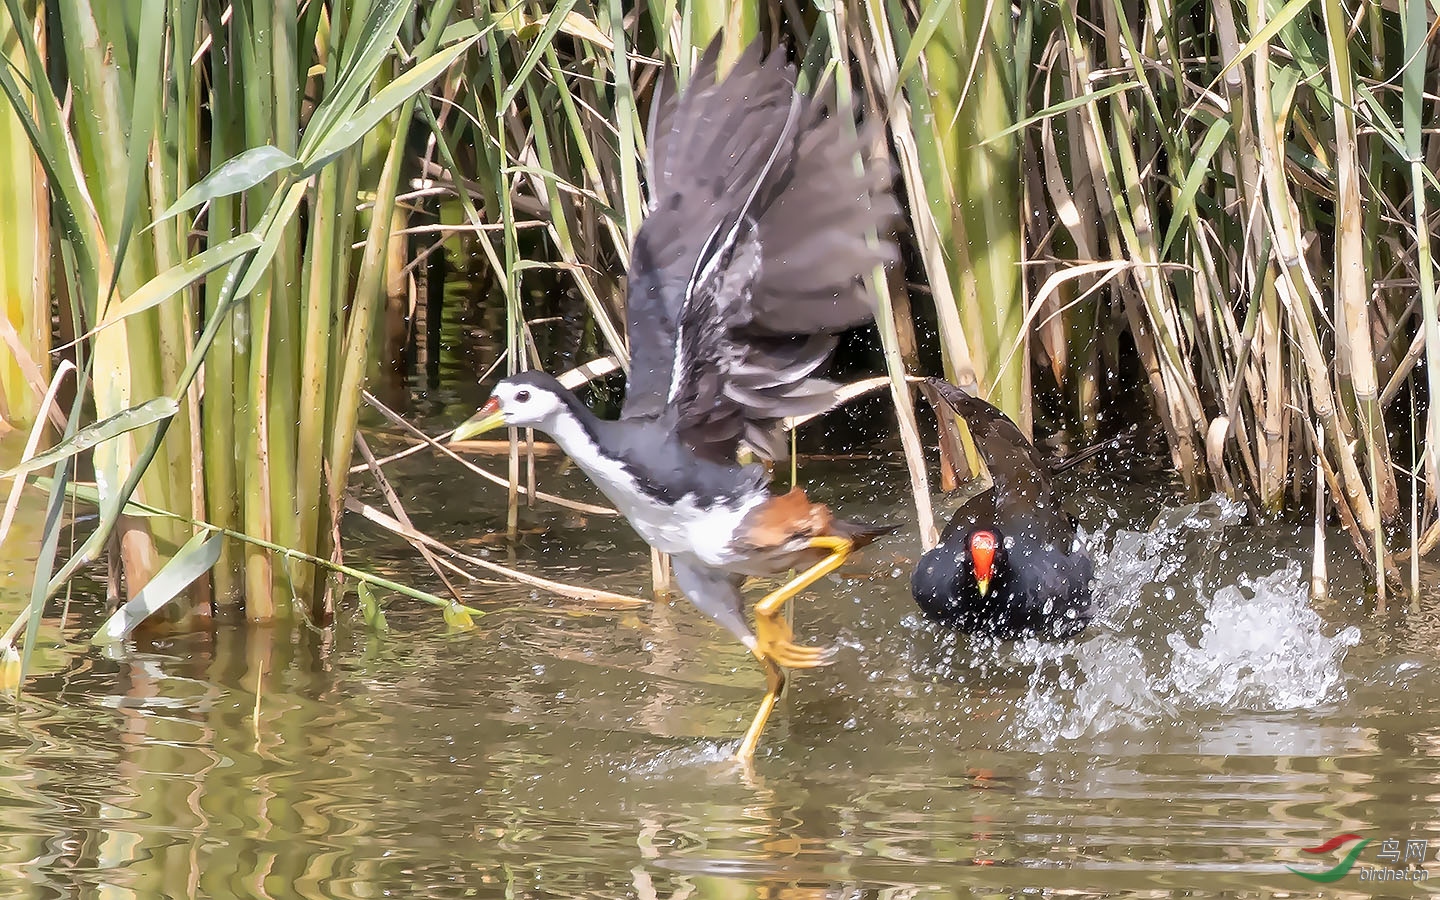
pixel 560 751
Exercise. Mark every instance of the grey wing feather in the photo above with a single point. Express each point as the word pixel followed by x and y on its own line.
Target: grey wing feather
pixel 753 257
pixel 706 145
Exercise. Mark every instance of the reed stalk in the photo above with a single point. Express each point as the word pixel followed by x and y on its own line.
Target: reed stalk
pixel 1224 212
pixel 24 255
pixel 129 151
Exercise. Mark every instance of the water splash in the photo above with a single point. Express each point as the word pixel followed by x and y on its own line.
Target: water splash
pixel 1165 646
pixel 1262 647
pixel 1139 562
pixel 718 756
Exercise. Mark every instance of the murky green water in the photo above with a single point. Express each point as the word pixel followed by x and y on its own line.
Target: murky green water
pixel 566 751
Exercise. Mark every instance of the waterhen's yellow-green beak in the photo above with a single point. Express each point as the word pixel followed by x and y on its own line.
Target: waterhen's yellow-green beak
pixel 487 419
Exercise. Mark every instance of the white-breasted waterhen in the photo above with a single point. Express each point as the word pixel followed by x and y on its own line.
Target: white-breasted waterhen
pixel 762 227
pixel 1009 564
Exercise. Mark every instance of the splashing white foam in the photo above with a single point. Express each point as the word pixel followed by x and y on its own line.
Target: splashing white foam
pixel 1258 646
pixel 1262 647
pixel 719 755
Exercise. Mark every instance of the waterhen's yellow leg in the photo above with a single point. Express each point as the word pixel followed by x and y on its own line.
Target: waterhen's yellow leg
pixel 773 644
pixel 774 684
pixel 772 633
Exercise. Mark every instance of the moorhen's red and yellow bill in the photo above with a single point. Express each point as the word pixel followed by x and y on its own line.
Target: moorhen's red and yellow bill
pixel 1009 564
pixel 761 230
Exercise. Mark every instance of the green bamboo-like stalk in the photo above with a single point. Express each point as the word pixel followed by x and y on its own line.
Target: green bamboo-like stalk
pixel 926 164
pixel 219 442
pixel 1414 27
pixel 251 43
pixel 24 258
pixel 924 172
pixel 150 187
pixel 320 312
pixel 345 218
pixel 370 282
pixel 286 300
pixel 175 154
pixel 324 287
pixel 985 236
pixel 104 104
pixel 971 237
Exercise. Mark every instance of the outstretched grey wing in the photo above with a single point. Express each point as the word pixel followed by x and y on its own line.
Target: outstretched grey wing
pixel 753 257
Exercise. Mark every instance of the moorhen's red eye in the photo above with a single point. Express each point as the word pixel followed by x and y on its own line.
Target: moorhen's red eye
pixel 522 396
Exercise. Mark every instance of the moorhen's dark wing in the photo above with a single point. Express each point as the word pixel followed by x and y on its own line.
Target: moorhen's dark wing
pixel 1023 500
pixel 752 258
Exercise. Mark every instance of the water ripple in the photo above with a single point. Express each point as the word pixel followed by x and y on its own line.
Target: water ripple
pixel 1212 726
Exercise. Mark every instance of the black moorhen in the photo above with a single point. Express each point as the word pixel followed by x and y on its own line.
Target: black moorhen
pixel 751 262
pixel 1009 564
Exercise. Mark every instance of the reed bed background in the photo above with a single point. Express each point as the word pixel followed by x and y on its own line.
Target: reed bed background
pixel 208 208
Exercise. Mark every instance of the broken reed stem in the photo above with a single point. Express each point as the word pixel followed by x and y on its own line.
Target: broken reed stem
pixel 393 501
pixel 574 592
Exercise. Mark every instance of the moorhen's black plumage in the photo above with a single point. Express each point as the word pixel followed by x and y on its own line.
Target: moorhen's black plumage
pixel 1009 564
pixel 752 260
